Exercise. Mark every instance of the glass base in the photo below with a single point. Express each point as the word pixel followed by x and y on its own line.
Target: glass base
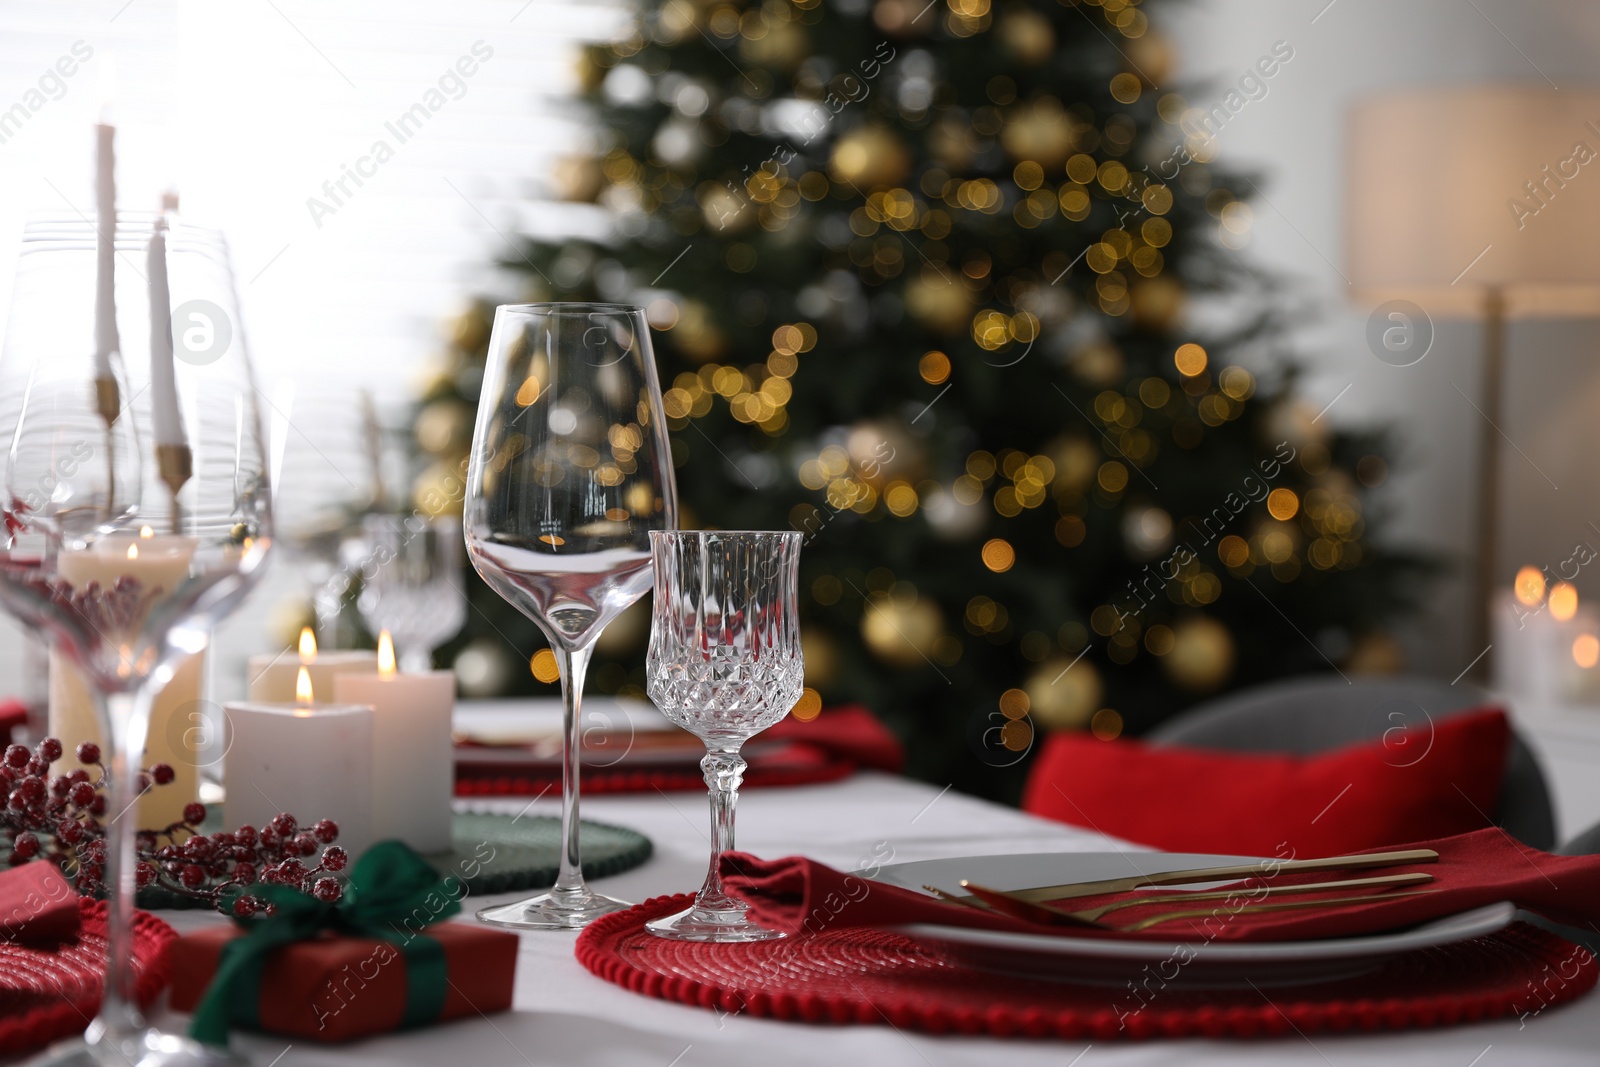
pixel 711 924
pixel 151 1048
pixel 555 910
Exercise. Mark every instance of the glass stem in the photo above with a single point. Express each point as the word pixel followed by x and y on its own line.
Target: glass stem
pixel 574 664
pixel 119 1020
pixel 724 771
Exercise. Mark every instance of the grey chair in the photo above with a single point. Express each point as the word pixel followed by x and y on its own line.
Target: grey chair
pixel 1585 844
pixel 1314 713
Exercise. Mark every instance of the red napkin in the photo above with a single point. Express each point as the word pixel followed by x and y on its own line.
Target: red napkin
pixel 1482 867
pixel 37 905
pixel 850 731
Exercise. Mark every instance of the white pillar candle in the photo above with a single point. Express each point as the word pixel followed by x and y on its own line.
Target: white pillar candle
pixel 311 760
pixel 166 423
pixel 105 200
pixel 272 678
pixel 413 757
pixel 161 564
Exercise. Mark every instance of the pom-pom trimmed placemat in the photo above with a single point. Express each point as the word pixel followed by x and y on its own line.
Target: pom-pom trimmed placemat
pixel 48 994
pixel 877 976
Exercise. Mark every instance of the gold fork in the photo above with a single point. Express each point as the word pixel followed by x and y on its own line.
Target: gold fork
pixel 1010 904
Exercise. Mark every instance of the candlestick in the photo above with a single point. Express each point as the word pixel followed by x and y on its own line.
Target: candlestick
pixel 272 678
pixel 413 758
pixel 108 397
pixel 173 458
pixel 311 760
pixel 161 564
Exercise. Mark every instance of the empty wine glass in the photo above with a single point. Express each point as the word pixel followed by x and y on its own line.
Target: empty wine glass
pixel 127 575
pixel 571 470
pixel 411 583
pixel 724 664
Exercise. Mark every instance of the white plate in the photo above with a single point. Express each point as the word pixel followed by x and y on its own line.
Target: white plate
pixel 1065 958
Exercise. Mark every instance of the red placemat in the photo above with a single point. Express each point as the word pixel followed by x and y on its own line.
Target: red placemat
pixel 877 976
pixel 824 749
pixel 50 994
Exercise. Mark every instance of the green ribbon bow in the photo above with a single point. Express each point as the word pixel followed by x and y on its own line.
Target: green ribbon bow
pixel 390 887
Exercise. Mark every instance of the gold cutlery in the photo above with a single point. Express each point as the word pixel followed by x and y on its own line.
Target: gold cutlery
pixel 1009 904
pixel 1258 869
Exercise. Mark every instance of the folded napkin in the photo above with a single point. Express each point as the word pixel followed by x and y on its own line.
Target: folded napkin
pixel 850 732
pixel 38 906
pixel 1486 866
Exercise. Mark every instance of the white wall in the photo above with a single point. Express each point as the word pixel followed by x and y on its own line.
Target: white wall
pixel 1293 139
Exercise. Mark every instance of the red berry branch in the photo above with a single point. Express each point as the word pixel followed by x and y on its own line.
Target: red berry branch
pixel 58 819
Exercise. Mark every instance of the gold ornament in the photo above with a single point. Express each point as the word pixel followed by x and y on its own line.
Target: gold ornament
pixel 782 47
pixel 1040 131
pixel 1158 304
pixel 444 427
pixel 1376 654
pixel 1063 695
pixel 870 157
pixel 578 178
pixel 1202 654
pixel 821 656
pixel 901 634
pixel 939 301
pixel 696 333
pixel 1027 36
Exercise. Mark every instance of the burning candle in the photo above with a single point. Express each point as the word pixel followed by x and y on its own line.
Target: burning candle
pixel 272 678
pixel 413 762
pixel 311 760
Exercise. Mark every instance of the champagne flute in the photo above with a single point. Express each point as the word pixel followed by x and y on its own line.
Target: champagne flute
pixel 724 664
pixel 128 575
pixel 571 470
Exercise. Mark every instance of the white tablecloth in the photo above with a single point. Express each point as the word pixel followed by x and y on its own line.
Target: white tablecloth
pixel 566 1016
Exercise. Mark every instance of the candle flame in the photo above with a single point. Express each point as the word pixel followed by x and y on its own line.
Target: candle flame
pixel 133 551
pixel 308 645
pixel 1529 586
pixel 1563 601
pixel 1586 651
pixel 146 532
pixel 385 654
pixel 302 688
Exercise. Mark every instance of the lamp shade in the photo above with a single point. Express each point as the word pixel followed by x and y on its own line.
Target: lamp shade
pixel 1452 191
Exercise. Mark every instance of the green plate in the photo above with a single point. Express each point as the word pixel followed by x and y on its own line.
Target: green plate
pixel 499 854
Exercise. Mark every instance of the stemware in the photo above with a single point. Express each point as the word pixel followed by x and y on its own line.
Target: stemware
pixel 724 663
pixel 570 471
pixel 128 573
pixel 411 583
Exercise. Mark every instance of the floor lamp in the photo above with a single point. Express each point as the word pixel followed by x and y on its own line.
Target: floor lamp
pixel 1474 202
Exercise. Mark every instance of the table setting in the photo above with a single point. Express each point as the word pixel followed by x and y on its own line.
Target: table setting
pixel 316 853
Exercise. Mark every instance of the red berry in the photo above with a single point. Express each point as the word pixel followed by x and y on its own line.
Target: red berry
pixel 305 843
pixel 88 752
pixel 78 775
pixel 222 839
pixel 268 837
pixel 327 890
pixel 25 846
pixel 98 805
pixel 18 800
pixel 335 858
pixel 70 831
pixel 38 766
pixel 193 875
pixel 244 873
pixel 146 873
pixel 18 756
pixel 83 794
pixel 60 787
pixel 50 750
pixel 284 824
pixel 244 907
pixel 326 830
pixel 245 835
pixel 194 813
pixel 142 783
pixel 145 840
pixel 290 871
pixel 33 788
pixel 163 773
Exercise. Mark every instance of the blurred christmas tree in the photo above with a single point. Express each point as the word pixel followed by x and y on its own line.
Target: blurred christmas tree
pixel 922 276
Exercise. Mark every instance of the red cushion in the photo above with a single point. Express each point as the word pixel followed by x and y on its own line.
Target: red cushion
pixel 1365 795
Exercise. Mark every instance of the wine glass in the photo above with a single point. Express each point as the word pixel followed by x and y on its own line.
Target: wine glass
pixel 724 664
pixel 411 583
pixel 125 572
pixel 571 470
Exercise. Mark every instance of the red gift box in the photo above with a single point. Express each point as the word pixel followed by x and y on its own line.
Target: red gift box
pixel 332 988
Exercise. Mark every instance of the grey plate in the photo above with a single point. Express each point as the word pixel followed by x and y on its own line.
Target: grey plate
pixel 1062 957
